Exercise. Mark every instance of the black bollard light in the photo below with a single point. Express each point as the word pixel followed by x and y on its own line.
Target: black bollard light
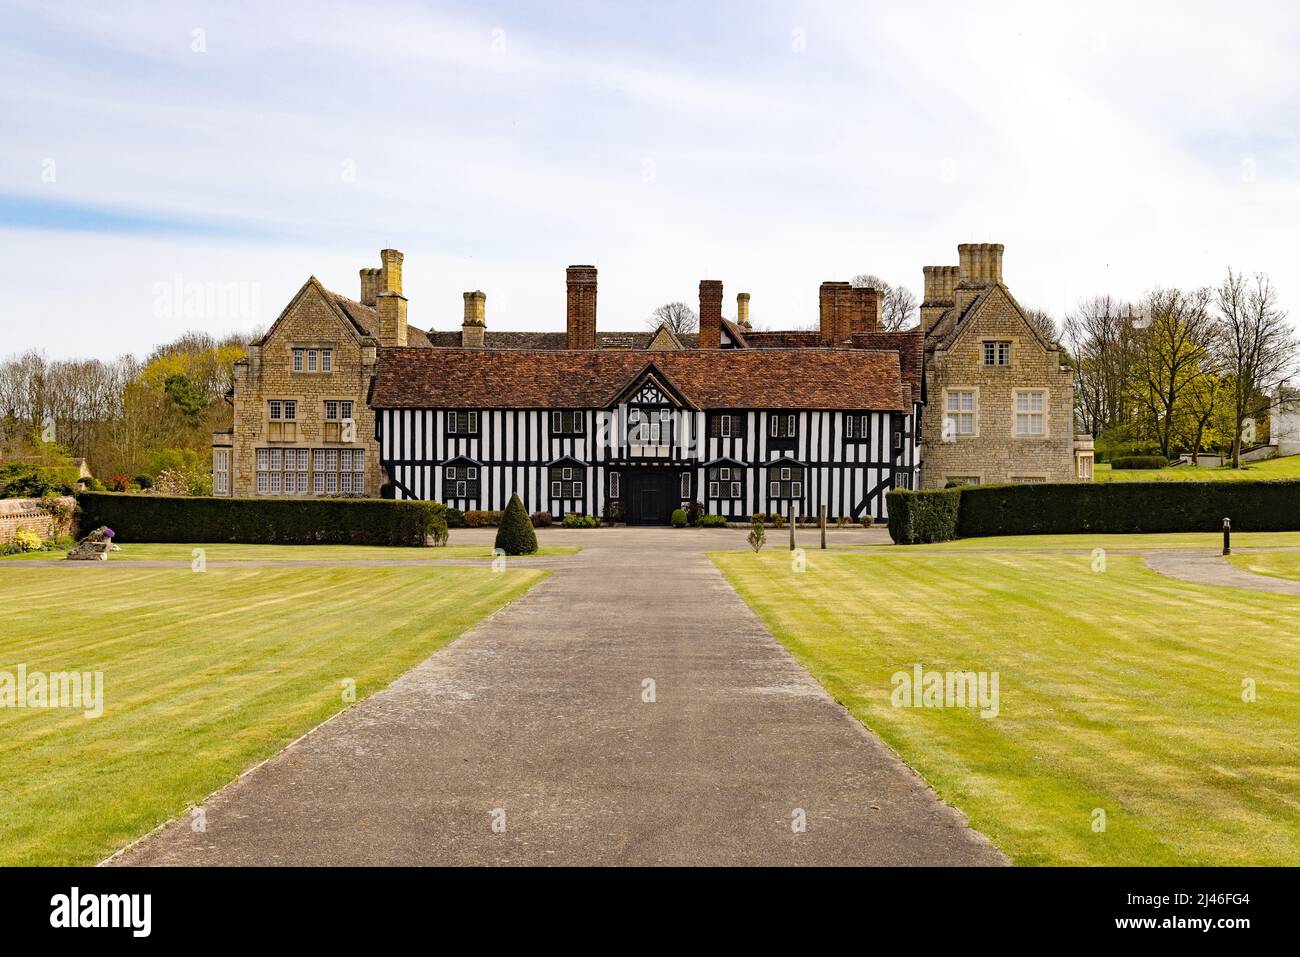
pixel 1227 536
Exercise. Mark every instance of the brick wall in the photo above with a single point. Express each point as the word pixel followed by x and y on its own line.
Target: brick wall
pixel 995 453
pixel 16 513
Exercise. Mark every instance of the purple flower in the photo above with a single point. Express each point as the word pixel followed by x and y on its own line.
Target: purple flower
pixel 108 533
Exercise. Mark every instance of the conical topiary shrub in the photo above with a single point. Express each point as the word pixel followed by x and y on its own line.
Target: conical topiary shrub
pixel 515 535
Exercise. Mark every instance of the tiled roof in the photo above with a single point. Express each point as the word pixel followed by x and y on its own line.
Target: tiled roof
pixel 366 321
pixel 785 339
pixel 508 339
pixel 708 378
pixel 910 346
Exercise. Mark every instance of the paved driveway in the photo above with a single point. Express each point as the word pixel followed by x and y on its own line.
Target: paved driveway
pixel 536 718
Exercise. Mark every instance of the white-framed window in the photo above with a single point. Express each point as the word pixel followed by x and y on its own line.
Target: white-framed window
pixel 963 479
pixel 1084 469
pixel 566 482
pixel 566 474
pixel 997 353
pixel 960 412
pixel 221 471
pixel 856 427
pixel 462 489
pixel 326 360
pixel 566 423
pixel 785 481
pixel 783 426
pixel 796 489
pixel 724 473
pixel 1029 479
pixel 614 484
pixel 1031 412
pixel 903 480
pixel 270 471
pixel 774 489
pixel 785 474
pixel 282 410
pixel 298 359
pixel 462 423
pixel 556 488
pixel 338 410
pixel 686 485
pixel 577 489
pixel 735 490
pixel 715 490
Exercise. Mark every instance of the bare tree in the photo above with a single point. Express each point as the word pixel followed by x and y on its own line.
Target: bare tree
pixel 1101 335
pixel 1042 320
pixel 1257 347
pixel 677 316
pixel 1174 352
pixel 898 305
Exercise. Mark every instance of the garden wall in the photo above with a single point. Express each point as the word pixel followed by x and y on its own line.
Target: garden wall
pixel 281 521
pixel 16 513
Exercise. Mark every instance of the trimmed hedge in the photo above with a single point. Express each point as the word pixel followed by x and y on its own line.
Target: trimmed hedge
pixel 264 521
pixel 515 536
pixel 1123 507
pixel 923 516
pixel 1140 462
pixel 1069 508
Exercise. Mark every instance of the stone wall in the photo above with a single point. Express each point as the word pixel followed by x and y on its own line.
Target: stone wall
pixel 16 513
pixel 311 323
pixel 995 453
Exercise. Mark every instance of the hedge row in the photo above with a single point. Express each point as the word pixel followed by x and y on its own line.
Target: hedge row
pixel 924 516
pixel 1140 462
pixel 1103 507
pixel 279 521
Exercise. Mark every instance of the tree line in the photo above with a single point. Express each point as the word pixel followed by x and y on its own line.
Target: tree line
pixel 1181 370
pixel 130 419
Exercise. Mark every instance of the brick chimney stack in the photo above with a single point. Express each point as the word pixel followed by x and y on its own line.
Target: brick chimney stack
pixel 866 310
pixel 581 321
pixel 710 314
pixel 474 327
pixel 834 301
pixel 390 303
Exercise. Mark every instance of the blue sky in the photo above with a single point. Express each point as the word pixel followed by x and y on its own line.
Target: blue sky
pixel 769 145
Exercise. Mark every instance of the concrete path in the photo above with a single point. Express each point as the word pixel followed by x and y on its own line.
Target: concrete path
pixel 1211 568
pixel 536 717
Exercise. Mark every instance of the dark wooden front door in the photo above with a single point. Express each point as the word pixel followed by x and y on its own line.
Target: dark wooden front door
pixel 650 496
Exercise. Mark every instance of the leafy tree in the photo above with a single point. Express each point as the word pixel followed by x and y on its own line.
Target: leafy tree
pixel 187 397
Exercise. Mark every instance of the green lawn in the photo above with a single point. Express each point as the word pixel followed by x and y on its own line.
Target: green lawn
pixel 1277 564
pixel 1286 467
pixel 204 675
pixel 1119 690
pixel 227 552
pixel 1087 542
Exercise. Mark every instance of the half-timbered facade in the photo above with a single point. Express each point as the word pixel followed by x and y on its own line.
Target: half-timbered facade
pixel 623 435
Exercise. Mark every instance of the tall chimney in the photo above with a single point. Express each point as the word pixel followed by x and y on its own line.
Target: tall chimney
pixel 710 314
pixel 370 283
pixel 474 326
pixel 981 267
pixel 581 323
pixel 835 305
pixel 940 290
pixel 742 311
pixel 866 310
pixel 391 274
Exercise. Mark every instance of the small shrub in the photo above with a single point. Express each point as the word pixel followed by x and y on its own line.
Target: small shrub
pixel 757 536
pixel 118 483
pixel 843 521
pixel 574 520
pixel 144 481
pixel 455 517
pixel 713 521
pixel 694 512
pixel 24 540
pixel 1140 462
pixel 867 521
pixel 541 519
pixel 613 511
pixel 679 518
pixel 478 518
pixel 515 536
pixel 758 518
pixel 778 521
